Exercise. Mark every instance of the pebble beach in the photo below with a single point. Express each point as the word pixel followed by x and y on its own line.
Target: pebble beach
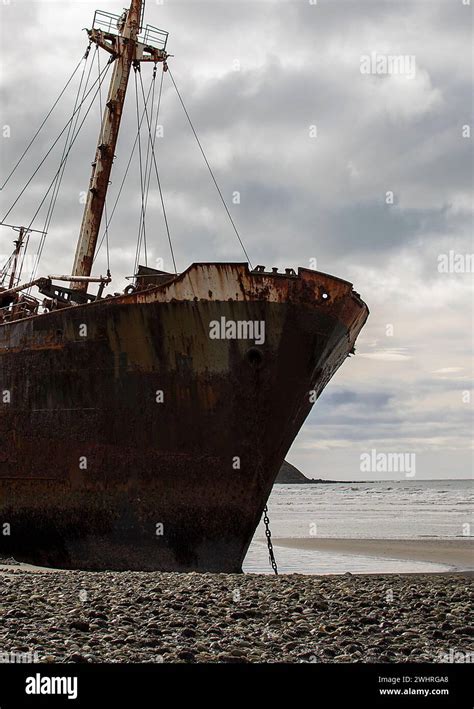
pixel 72 616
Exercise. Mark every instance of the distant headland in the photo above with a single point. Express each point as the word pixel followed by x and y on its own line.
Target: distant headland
pixel 289 475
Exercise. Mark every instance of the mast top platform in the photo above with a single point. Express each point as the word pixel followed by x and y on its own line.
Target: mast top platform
pixel 107 27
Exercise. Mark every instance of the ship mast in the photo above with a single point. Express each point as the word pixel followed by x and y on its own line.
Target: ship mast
pixel 126 50
pixel 18 245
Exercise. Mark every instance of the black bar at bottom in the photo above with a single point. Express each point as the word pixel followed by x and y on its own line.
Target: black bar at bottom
pixel 116 685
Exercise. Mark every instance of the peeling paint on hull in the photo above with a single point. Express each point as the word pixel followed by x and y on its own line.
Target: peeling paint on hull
pixel 161 489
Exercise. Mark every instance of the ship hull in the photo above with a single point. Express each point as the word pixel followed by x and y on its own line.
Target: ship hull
pixel 132 439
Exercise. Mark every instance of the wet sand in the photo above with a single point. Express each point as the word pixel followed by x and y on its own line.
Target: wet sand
pixel 457 554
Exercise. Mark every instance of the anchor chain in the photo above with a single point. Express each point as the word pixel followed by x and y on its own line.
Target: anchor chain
pixel 268 534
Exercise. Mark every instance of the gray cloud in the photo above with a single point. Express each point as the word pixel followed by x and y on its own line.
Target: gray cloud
pixel 301 197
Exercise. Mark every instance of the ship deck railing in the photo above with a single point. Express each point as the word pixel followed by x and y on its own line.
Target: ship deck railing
pixel 106 22
pixel 154 37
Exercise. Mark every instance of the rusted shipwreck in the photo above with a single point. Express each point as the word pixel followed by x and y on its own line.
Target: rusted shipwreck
pixel 130 438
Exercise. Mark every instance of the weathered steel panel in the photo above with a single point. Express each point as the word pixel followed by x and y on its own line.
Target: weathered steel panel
pixel 169 462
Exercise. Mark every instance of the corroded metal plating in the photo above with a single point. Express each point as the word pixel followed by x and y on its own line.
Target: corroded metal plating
pixel 163 462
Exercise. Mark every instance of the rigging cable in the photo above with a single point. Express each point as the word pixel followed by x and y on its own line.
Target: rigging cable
pixel 142 233
pixel 159 185
pixel 123 180
pixel 47 116
pixel 63 161
pixel 57 139
pixel 70 146
pixel 149 163
pixel 210 169
pixel 5 267
pixel 142 186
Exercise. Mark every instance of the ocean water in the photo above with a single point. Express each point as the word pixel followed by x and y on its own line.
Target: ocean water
pixel 407 509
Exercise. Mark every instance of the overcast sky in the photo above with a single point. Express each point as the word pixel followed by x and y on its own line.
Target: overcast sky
pixel 313 145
